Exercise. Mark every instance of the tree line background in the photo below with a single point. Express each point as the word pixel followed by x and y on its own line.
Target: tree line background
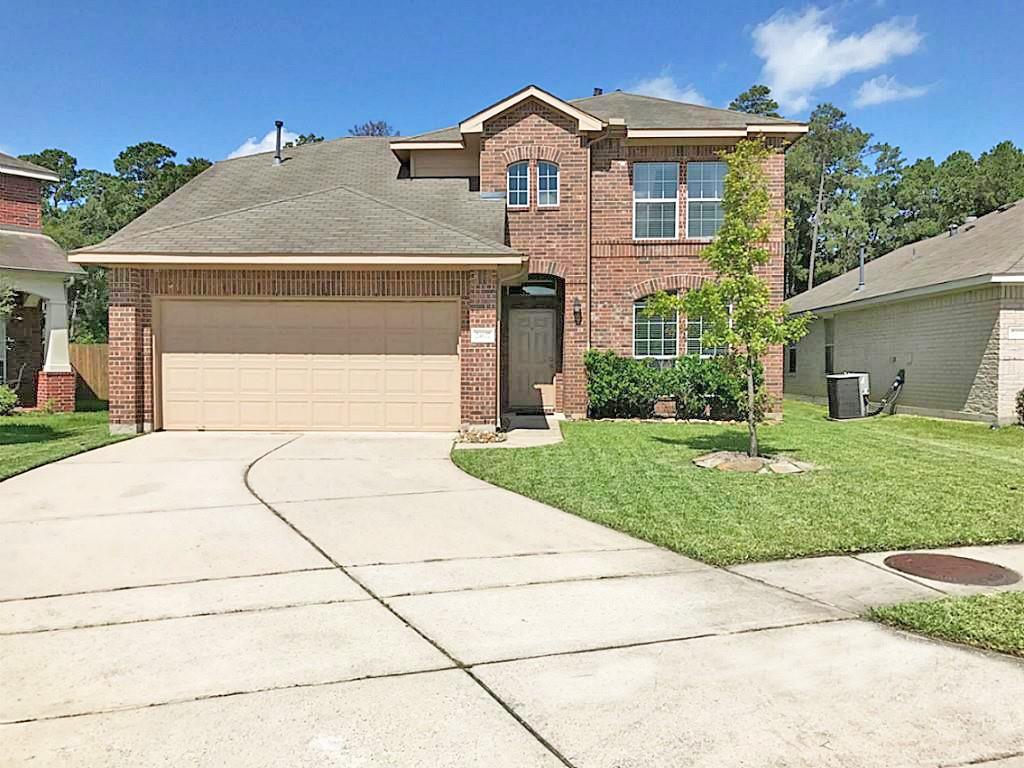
pixel 845 191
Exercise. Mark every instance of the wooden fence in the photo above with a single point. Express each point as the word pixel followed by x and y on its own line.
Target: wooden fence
pixel 90 362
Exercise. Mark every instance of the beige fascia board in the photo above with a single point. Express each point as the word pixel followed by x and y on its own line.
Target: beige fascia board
pixel 297 260
pixel 587 122
pixel 398 146
pixel 664 134
pixel 43 176
pixel 910 293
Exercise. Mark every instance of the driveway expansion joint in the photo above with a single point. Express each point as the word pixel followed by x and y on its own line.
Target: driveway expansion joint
pixel 437 646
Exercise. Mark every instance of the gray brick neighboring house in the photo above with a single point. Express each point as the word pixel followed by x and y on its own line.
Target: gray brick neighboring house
pixel 949 310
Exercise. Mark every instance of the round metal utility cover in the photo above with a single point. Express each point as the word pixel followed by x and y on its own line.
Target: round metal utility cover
pixel 953 569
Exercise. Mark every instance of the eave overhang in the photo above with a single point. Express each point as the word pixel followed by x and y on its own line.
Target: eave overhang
pixel 298 260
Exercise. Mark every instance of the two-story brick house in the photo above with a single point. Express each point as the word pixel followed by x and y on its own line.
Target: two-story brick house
pixel 428 282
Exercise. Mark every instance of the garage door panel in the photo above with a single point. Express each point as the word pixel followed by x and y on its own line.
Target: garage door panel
pixel 294 364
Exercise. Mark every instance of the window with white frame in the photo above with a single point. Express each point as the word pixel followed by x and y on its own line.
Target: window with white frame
pixel 547 185
pixel 655 200
pixel 705 188
pixel 656 337
pixel 695 340
pixel 518 194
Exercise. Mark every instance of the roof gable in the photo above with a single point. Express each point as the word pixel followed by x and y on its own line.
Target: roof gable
pixel 13 166
pixel 586 121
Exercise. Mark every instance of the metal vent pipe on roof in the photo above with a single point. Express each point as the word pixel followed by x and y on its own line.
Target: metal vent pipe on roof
pixel 860 282
pixel 598 91
pixel 279 124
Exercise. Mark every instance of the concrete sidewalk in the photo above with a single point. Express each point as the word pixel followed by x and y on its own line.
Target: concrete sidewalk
pixel 258 600
pixel 856 583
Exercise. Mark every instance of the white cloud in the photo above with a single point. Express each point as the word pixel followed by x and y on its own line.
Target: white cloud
pixel 664 86
pixel 268 143
pixel 802 52
pixel 884 88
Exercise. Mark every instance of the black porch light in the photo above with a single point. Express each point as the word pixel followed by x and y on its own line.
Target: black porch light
pixel 577 311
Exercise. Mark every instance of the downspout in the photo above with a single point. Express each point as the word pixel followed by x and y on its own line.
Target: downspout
pixel 590 191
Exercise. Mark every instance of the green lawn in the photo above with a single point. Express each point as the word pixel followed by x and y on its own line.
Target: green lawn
pixel 31 439
pixel 884 483
pixel 993 621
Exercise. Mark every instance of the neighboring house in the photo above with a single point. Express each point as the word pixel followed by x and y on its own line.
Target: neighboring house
pixel 428 282
pixel 949 310
pixel 34 338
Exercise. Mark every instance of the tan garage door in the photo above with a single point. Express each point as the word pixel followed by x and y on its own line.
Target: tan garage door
pixel 356 365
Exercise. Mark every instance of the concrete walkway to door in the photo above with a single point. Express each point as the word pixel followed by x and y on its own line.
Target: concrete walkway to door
pixel 355 600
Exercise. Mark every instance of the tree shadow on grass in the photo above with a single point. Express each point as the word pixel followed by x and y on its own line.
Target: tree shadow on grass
pixel 19 434
pixel 725 441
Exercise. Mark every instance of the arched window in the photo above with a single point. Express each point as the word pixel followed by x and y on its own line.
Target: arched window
pixel 655 338
pixel 518 195
pixel 547 185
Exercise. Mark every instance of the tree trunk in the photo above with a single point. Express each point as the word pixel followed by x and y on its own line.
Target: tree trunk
pixel 814 230
pixel 751 416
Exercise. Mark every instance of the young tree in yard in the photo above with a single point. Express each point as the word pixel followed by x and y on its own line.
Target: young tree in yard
pixel 736 304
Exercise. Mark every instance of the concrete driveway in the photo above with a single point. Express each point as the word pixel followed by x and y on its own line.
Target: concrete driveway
pixel 350 600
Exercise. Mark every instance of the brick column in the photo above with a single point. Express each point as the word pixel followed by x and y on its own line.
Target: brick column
pixel 127 366
pixel 479 360
pixel 56 391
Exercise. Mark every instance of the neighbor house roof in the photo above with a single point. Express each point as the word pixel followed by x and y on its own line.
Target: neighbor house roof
pixel 646 113
pixel 333 202
pixel 14 166
pixel 990 249
pixel 21 249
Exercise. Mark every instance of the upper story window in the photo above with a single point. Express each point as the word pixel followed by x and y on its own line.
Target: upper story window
pixel 655 200
pixel 705 188
pixel 547 184
pixel 518 195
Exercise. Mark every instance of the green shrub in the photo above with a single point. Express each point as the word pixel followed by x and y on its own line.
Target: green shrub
pixel 703 388
pixel 620 387
pixel 1020 407
pixel 8 400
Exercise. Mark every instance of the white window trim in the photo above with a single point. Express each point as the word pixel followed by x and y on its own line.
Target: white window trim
pixel 508 177
pixel 633 340
pixel 632 193
pixel 701 354
pixel 558 184
pixel 698 238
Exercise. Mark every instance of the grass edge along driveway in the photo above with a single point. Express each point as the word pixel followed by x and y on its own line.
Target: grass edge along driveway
pixel 884 483
pixel 994 622
pixel 32 439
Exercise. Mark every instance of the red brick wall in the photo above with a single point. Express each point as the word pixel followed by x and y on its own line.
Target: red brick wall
pixel 56 391
pixel 20 204
pixel 554 238
pixel 622 270
pixel 131 333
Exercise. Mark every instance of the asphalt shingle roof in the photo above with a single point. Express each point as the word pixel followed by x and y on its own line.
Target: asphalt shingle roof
pixel 646 112
pixel 992 245
pixel 32 250
pixel 335 197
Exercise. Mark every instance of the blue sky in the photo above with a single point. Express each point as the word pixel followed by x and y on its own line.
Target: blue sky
pixel 931 76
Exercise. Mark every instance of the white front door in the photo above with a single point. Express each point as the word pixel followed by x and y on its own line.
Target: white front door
pixel 532 359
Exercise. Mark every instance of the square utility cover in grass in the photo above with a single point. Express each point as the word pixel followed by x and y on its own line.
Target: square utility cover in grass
pixel 883 483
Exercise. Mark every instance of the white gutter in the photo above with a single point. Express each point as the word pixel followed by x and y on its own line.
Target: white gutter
pixel 297 260
pixel 913 293
pixel 407 145
pixel 714 133
pixel 43 175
